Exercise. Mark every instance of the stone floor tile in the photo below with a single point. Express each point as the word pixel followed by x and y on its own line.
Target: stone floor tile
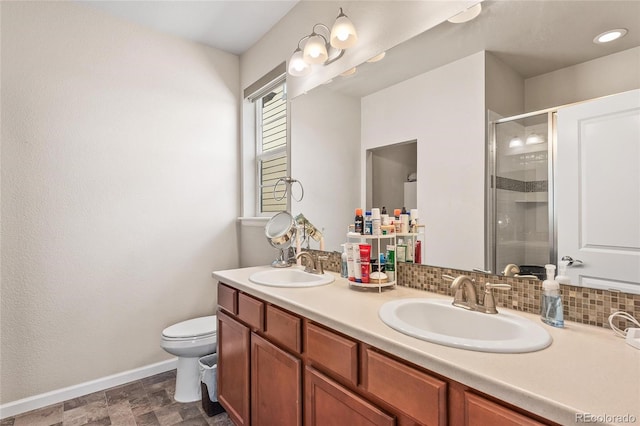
pixel 46 416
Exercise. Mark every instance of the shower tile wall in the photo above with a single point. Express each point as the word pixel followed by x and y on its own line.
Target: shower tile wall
pixel 522 216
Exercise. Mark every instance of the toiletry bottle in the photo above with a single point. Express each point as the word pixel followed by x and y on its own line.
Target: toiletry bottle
pixel 359 222
pixel 562 276
pixel 368 225
pixel 410 251
pixel 551 303
pixel 365 262
pixel 344 269
pixel 417 258
pixel 350 262
pixel 401 251
pixel 376 222
pixel 396 221
pixel 390 265
pixel 357 264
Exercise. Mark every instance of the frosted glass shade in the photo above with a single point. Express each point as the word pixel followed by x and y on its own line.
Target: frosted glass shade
pixel 297 66
pixel 315 50
pixel 343 33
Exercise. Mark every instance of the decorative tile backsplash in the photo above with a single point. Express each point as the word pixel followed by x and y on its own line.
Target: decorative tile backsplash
pixel 584 305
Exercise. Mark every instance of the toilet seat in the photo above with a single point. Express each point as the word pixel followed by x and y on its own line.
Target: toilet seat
pixel 196 328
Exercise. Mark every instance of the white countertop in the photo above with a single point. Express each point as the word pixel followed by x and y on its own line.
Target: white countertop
pixel 585 370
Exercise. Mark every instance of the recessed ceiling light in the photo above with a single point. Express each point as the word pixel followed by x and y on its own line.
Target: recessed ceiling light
pixel 610 35
pixel 466 15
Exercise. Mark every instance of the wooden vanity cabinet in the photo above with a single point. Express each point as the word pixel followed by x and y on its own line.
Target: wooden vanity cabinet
pixel 258 382
pixel 329 403
pixel 276 385
pixel 411 391
pixel 268 356
pixel 233 368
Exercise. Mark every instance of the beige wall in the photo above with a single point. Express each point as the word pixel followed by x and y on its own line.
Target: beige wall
pixel 380 26
pixel 443 110
pixel 604 76
pixel 119 191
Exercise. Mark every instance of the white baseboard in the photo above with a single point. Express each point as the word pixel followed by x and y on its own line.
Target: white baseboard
pixel 38 401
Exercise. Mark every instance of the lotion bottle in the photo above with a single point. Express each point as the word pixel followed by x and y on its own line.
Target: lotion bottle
pixel 551 303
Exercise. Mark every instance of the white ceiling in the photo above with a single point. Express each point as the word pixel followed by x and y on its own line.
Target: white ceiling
pixel 232 26
pixel 532 37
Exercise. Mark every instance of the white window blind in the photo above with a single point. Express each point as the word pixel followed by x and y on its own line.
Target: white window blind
pixel 271 138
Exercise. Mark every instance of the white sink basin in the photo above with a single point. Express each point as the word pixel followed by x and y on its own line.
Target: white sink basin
pixel 290 277
pixel 438 321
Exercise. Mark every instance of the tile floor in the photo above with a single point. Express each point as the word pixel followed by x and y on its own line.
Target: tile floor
pixel 146 402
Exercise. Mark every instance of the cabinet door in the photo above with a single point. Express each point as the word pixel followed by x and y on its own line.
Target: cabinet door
pixel 481 412
pixel 328 403
pixel 276 385
pixel 233 368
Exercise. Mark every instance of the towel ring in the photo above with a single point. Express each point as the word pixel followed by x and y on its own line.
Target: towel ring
pixel 288 182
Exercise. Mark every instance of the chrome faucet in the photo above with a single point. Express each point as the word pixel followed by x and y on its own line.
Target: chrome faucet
pixel 465 295
pixel 310 263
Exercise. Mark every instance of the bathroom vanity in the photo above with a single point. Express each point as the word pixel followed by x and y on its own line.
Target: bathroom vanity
pixel 310 355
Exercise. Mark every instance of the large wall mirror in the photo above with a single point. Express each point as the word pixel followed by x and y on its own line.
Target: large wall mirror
pixel 439 91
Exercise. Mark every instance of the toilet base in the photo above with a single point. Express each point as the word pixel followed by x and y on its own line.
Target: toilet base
pixel 188 380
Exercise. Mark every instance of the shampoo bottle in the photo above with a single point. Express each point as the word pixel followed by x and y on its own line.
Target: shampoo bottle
pixel 551 303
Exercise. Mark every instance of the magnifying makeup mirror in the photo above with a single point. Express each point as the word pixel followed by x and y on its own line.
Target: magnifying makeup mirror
pixel 280 232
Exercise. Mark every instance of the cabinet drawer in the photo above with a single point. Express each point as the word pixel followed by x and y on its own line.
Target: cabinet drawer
pixel 330 351
pixel 480 411
pixel 284 328
pixel 413 392
pixel 251 311
pixel 228 298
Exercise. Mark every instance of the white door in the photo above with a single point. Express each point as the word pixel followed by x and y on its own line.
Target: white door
pixel 598 191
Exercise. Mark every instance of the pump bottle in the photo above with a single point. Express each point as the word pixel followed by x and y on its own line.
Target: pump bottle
pixel 551 303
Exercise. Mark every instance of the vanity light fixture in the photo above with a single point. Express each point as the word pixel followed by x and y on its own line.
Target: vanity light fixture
pixel 466 15
pixel 515 142
pixel 610 35
pixel 534 138
pixel 323 46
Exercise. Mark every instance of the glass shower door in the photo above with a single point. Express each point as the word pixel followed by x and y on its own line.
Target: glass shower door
pixel 520 191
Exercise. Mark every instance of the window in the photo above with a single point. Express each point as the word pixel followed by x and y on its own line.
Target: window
pixel 271 148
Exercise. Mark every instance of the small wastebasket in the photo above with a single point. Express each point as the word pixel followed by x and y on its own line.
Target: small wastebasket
pixel 208 368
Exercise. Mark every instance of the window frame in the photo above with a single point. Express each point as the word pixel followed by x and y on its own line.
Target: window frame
pixel 252 143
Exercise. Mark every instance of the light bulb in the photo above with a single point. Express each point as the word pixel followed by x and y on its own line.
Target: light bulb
pixel 343 33
pixel 315 50
pixel 610 35
pixel 297 66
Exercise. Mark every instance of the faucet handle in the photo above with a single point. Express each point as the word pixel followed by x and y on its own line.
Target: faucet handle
pixel 320 263
pixel 489 300
pixel 448 277
pixel 499 286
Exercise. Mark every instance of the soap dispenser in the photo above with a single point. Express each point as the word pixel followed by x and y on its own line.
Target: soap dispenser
pixel 551 303
pixel 562 276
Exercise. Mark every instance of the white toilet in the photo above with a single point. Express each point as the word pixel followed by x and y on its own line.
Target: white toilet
pixel 189 341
